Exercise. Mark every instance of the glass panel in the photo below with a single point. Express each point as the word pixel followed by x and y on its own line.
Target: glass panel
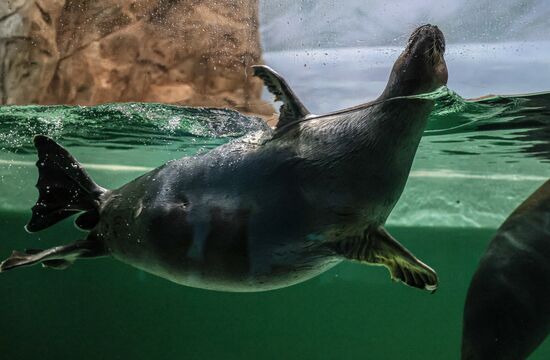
pixel 127 86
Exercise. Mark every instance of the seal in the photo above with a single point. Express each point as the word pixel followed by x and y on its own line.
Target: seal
pixel 507 310
pixel 269 210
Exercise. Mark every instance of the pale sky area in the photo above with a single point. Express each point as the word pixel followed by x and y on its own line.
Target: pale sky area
pixel 289 24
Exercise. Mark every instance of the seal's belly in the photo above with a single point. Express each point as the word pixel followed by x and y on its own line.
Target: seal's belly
pixel 227 267
pixel 211 247
pixel 204 277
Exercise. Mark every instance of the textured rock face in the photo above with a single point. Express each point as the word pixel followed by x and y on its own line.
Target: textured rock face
pixel 87 52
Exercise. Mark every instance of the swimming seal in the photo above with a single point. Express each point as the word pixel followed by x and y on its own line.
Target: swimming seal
pixel 267 211
pixel 507 310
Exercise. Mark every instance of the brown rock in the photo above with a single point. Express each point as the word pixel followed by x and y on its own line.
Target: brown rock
pixel 28 49
pixel 88 52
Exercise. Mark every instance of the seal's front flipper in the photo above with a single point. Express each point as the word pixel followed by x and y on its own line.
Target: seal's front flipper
pixel 292 108
pixel 59 257
pixel 378 247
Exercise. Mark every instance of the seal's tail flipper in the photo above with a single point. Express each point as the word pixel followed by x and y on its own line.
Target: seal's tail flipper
pixel 63 185
pixel 378 247
pixel 59 257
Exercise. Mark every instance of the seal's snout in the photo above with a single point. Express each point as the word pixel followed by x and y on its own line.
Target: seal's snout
pixel 426 47
pixel 421 67
pixel 429 40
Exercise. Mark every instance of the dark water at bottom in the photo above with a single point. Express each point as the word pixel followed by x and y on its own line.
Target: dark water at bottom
pixel 103 309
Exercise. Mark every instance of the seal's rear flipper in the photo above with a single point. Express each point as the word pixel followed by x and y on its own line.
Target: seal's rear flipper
pixel 292 108
pixel 378 247
pixel 59 257
pixel 63 185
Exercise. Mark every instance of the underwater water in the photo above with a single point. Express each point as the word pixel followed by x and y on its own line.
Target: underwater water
pixel 477 161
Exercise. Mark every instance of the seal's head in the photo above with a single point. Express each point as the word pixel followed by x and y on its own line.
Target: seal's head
pixel 421 67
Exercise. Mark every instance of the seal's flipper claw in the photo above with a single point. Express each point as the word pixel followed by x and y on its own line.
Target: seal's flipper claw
pixel 59 257
pixel 292 108
pixel 378 247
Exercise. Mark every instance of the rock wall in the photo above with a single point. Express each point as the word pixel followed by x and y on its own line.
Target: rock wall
pixel 87 52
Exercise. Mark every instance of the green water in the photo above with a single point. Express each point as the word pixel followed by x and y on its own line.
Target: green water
pixel 477 161
pixel 105 309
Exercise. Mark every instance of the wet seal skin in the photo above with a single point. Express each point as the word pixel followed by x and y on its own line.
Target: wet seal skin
pixel 266 211
pixel 507 310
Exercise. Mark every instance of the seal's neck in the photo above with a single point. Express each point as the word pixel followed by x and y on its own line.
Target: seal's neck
pixel 395 123
pixel 391 134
